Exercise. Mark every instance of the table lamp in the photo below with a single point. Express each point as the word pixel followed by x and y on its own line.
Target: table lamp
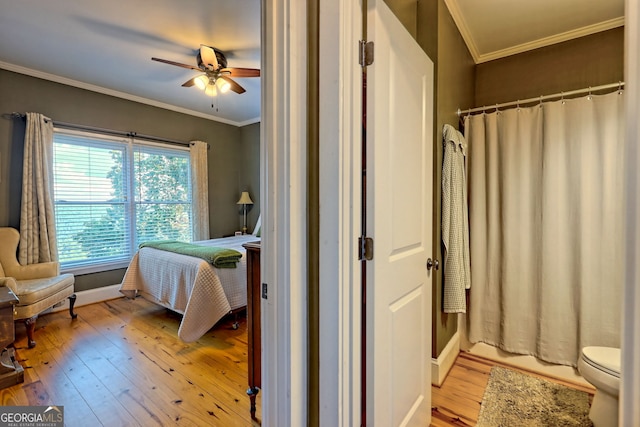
pixel 244 201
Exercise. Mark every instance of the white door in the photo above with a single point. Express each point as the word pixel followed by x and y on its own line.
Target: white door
pixel 399 219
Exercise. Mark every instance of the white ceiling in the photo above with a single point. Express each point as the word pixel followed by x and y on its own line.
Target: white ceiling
pixel 107 46
pixel 494 29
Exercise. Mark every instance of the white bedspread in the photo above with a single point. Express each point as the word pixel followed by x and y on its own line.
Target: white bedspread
pixel 189 285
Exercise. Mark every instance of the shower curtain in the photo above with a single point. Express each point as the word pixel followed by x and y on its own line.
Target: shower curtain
pixel 546 225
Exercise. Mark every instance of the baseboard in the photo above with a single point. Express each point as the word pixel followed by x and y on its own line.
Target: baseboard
pixel 441 366
pixel 527 363
pixel 92 296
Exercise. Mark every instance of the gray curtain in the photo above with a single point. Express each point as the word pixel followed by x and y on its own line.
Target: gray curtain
pixel 546 225
pixel 37 219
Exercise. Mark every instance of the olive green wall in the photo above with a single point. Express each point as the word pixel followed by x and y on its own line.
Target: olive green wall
pixel 576 64
pixel 406 12
pixel 250 174
pixel 230 146
pixel 455 89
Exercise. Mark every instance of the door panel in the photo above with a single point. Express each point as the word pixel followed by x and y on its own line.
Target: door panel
pixel 399 211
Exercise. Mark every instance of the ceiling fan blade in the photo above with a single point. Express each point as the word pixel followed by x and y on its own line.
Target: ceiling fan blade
pixel 208 57
pixel 189 82
pixel 178 64
pixel 241 72
pixel 234 86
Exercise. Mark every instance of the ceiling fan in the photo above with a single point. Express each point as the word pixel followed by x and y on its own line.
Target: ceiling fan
pixel 217 76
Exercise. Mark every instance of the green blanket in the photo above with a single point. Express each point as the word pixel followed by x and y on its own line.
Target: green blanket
pixel 218 257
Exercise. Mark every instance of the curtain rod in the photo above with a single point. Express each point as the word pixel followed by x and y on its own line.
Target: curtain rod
pixel 109 131
pixel 541 98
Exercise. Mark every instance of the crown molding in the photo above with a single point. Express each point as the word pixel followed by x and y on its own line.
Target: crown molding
pixel 548 41
pixel 479 57
pixel 460 22
pixel 99 89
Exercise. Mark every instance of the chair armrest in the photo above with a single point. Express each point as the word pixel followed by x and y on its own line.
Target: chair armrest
pixel 34 271
pixel 10 283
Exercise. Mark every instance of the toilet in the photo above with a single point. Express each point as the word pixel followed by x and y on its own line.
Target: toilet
pixel 600 366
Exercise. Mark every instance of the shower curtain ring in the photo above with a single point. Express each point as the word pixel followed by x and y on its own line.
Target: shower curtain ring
pixel 619 88
pixel 562 98
pixel 589 97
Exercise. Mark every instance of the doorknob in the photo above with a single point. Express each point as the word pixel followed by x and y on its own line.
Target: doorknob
pixel 433 263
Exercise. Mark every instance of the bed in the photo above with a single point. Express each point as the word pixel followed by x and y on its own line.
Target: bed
pixel 191 286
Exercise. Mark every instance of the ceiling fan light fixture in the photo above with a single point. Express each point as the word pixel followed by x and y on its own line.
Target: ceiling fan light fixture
pixel 217 77
pixel 201 82
pixel 211 90
pixel 223 85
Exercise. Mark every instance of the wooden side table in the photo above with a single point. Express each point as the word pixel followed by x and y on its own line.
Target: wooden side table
pixel 11 372
pixel 253 323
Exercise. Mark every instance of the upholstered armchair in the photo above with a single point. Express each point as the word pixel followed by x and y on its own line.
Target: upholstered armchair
pixel 37 286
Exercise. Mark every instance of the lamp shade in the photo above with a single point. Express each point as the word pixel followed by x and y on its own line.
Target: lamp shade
pixel 223 85
pixel 201 82
pixel 211 89
pixel 245 199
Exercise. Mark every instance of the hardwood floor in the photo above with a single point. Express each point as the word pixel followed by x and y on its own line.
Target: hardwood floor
pixel 457 401
pixel 120 363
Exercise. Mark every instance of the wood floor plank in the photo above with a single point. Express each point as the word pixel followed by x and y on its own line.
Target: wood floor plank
pixel 190 378
pixel 220 342
pixel 104 404
pixel 122 363
pixel 60 389
pixel 14 396
pixel 126 359
pixel 125 391
pixel 224 359
pixel 168 354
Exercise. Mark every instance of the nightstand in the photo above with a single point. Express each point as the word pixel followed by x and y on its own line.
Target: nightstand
pixel 11 372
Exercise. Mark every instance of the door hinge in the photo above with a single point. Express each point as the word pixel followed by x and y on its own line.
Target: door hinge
pixel 366 53
pixel 264 291
pixel 365 248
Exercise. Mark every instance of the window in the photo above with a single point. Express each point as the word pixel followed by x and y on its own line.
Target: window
pixel 111 193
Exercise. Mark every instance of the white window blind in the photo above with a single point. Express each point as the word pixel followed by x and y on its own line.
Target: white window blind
pixel 113 193
pixel 162 194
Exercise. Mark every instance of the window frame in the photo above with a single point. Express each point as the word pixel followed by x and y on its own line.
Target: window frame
pixel 130 143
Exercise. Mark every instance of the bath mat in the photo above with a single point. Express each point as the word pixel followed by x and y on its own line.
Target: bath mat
pixel 516 399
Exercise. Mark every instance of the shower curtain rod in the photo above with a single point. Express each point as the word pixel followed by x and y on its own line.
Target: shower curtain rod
pixel 110 131
pixel 541 98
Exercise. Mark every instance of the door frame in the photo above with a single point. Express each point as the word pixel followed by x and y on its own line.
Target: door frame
pixel 283 184
pixel 340 143
pixel 283 172
pixel 630 386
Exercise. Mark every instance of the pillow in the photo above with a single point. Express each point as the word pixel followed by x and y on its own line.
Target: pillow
pixel 256 229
